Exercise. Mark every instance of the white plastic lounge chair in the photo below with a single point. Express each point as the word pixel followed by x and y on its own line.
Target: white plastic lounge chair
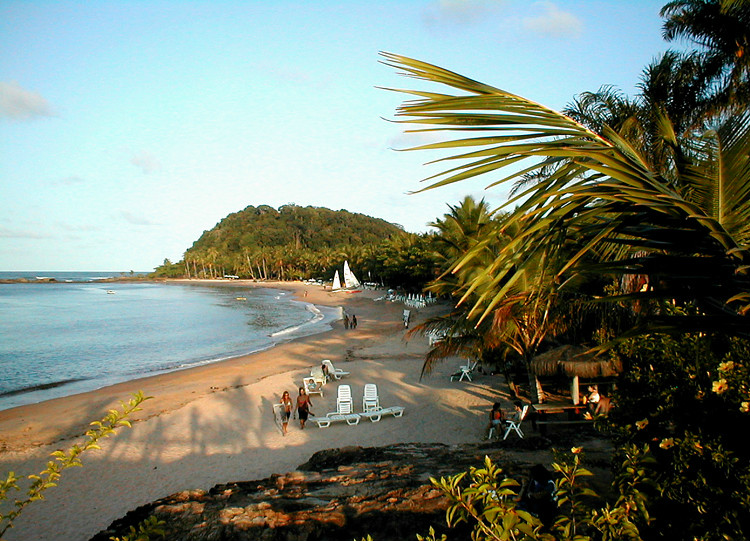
pixel 464 371
pixel 333 372
pixel 325 422
pixel 515 424
pixel 370 400
pixel 311 386
pixel 376 415
pixel 344 409
pixel 344 402
pixel 317 374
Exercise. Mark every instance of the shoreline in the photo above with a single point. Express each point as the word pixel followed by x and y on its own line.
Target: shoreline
pixel 322 317
pixel 124 389
pixel 213 424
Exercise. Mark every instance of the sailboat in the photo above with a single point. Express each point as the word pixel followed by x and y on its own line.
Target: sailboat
pixel 350 281
pixel 336 282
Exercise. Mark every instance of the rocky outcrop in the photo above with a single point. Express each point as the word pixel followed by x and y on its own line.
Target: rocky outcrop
pixel 339 494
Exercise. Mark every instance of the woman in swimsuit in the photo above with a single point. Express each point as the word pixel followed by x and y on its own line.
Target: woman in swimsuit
pixel 303 407
pixel 286 401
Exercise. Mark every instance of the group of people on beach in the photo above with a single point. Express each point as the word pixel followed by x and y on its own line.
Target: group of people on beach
pixel 350 322
pixel 497 416
pixel 301 409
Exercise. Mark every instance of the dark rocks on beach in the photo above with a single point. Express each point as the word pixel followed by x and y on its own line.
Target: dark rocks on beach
pixel 339 494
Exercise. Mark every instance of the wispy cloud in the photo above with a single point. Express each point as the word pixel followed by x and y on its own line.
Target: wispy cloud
pixel 136 219
pixel 7 233
pixel 554 22
pixel 146 162
pixel 72 180
pixel 459 12
pixel 19 104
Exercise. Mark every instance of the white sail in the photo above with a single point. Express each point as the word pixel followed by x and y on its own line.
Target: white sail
pixel 350 281
pixel 336 282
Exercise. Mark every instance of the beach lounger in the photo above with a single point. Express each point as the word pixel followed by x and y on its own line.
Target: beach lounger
pixel 325 422
pixel 370 399
pixel 344 410
pixel 317 374
pixel 333 372
pixel 311 386
pixel 377 414
pixel 344 403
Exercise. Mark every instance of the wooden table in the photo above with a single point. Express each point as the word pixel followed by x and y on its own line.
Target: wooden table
pixel 542 413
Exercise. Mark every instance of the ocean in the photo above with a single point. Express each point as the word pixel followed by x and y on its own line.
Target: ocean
pixel 78 334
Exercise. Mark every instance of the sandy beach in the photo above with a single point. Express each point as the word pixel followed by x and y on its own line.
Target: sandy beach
pixel 214 424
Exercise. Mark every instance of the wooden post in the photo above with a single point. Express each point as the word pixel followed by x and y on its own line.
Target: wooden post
pixel 574 392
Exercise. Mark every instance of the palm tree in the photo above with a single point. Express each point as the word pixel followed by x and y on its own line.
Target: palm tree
pixel 722 29
pixel 603 198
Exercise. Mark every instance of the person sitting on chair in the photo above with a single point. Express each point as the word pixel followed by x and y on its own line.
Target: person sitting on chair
pixel 497 418
pixel 593 398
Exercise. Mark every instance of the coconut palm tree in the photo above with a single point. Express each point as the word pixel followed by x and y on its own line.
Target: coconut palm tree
pixel 604 199
pixel 722 29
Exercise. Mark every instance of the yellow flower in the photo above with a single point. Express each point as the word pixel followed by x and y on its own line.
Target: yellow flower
pixel 720 386
pixel 576 450
pixel 726 366
pixel 666 443
pixel 745 407
pixel 641 424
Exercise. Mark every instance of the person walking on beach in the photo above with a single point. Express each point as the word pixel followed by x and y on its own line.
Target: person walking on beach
pixel 303 407
pixel 286 402
pixel 354 322
pixel 346 321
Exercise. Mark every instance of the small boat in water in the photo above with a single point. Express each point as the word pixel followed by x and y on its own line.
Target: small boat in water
pixel 110 292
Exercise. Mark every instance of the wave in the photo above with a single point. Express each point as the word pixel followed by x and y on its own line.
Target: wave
pixel 317 316
pixel 40 387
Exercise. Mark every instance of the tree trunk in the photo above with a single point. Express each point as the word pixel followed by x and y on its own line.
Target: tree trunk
pixel 535 387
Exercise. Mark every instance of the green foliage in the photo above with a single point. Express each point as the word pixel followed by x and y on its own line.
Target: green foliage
pixel 148 530
pixel 295 243
pixel 489 502
pixel 48 478
pixel 685 399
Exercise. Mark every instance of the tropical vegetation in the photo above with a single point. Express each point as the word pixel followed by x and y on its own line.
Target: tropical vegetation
pixel 299 243
pixel 635 211
pixel 36 485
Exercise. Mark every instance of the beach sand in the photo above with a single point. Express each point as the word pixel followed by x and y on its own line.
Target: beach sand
pixel 214 424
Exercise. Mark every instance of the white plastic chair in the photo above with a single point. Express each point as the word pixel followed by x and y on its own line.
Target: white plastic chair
pixel 515 424
pixel 344 409
pixel 465 371
pixel 317 374
pixel 312 386
pixel 370 399
pixel 344 403
pixel 333 372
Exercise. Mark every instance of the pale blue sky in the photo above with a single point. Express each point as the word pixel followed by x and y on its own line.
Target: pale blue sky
pixel 129 127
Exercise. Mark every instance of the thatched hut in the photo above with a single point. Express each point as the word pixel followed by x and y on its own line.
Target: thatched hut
pixel 574 362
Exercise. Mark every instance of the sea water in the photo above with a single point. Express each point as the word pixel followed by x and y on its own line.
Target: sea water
pixel 62 338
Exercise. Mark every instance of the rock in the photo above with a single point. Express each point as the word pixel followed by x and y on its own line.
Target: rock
pixel 338 494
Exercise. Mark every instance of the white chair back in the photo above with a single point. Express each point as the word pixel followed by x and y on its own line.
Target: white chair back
pixel 344 399
pixel 370 399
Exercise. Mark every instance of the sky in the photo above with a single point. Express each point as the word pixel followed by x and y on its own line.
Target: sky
pixel 127 128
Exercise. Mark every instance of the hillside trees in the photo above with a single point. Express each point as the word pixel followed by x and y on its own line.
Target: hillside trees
pixel 294 243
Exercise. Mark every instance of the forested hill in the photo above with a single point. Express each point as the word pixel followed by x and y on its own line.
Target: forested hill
pixel 295 242
pixel 312 228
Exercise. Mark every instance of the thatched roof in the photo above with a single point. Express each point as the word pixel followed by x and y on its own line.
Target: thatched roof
pixel 573 361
